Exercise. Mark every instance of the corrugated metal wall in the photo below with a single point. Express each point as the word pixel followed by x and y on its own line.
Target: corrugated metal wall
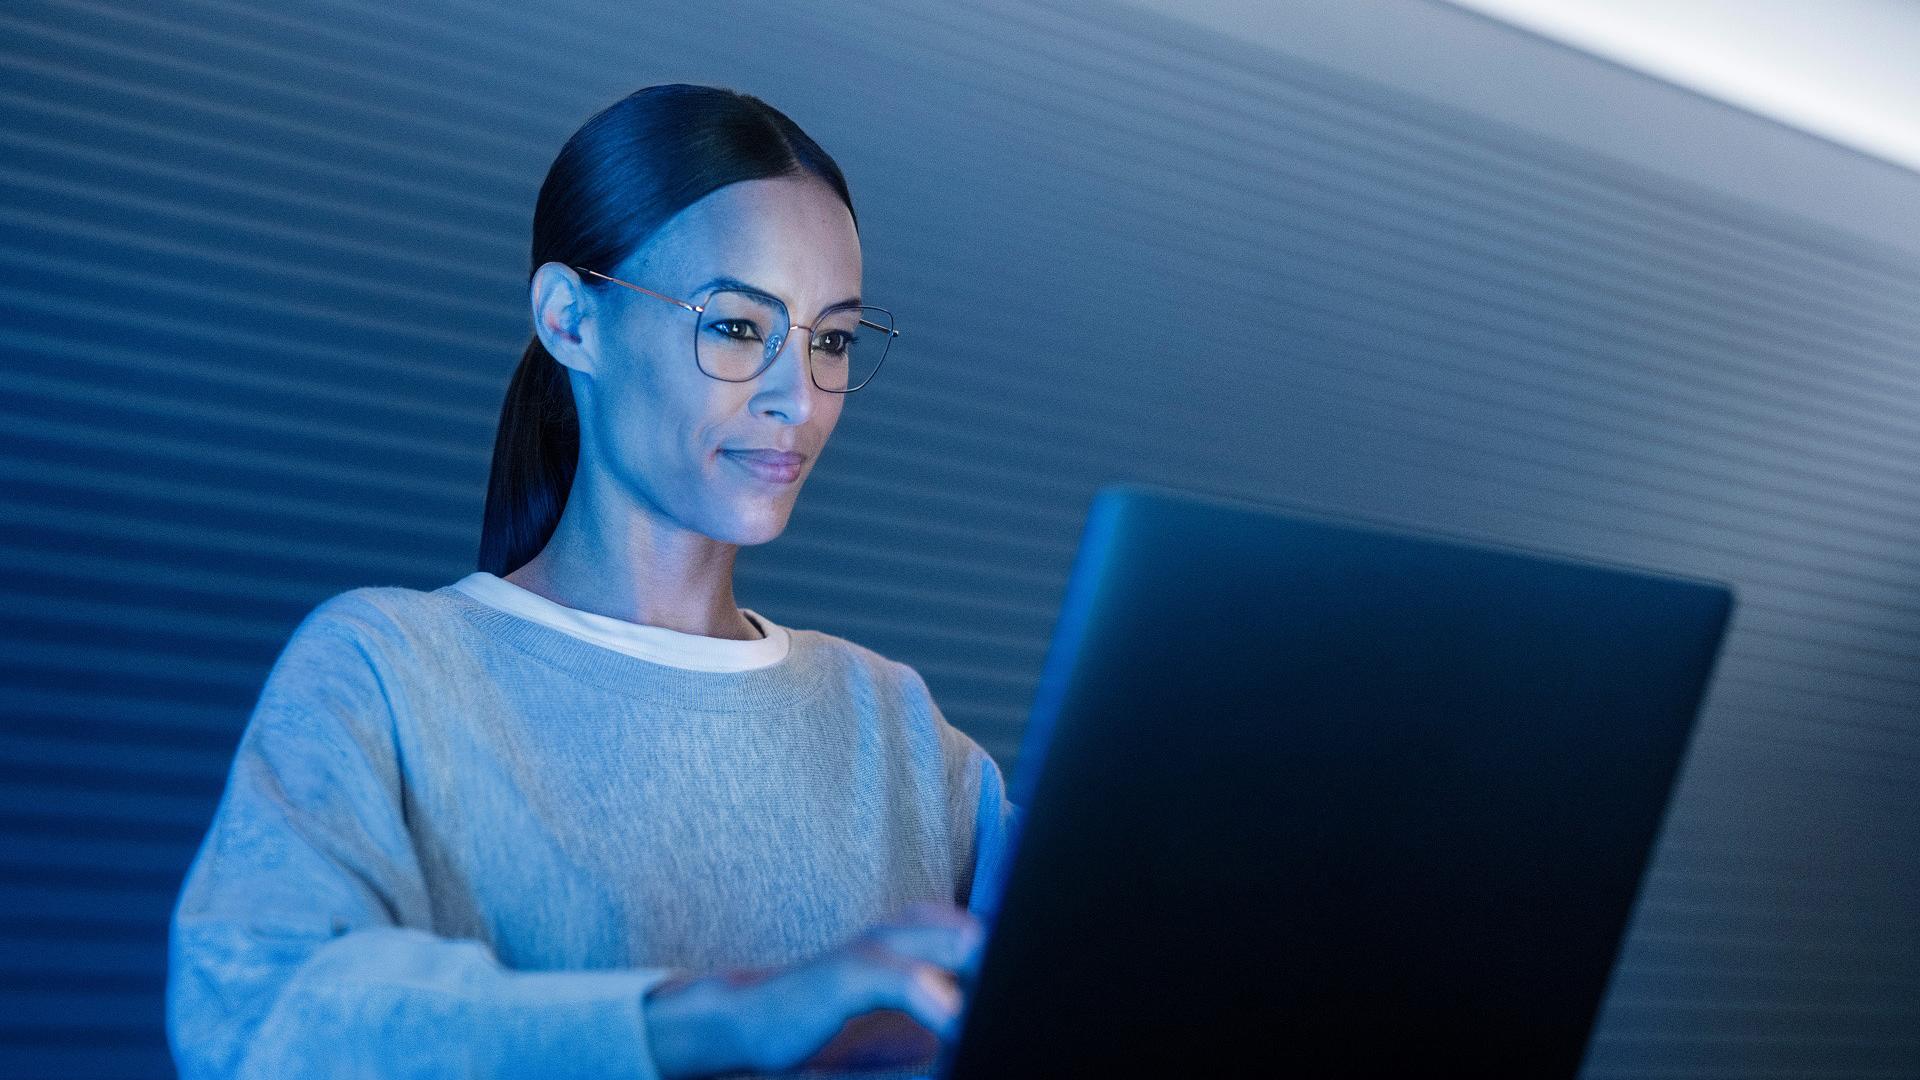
pixel 264 280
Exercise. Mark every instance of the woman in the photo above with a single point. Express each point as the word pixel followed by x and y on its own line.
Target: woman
pixel 577 814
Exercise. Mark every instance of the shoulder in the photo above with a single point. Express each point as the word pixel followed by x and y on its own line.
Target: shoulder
pixel 894 684
pixel 385 623
pixel 354 648
pixel 372 611
pixel 354 659
pixel 859 665
pixel 329 694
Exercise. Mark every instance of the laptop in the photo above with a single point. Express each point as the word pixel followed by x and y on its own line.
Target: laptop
pixel 1316 797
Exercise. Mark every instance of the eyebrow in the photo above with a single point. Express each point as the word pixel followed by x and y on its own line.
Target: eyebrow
pixel 724 282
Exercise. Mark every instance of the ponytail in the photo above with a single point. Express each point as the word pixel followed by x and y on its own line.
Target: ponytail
pixel 534 456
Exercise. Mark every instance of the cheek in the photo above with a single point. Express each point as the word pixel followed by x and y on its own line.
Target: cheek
pixel 642 425
pixel 687 426
pixel 827 414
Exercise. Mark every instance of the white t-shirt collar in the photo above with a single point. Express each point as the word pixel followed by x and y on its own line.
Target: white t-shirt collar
pixel 658 644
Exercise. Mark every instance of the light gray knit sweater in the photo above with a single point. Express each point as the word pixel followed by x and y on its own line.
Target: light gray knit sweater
pixel 458 842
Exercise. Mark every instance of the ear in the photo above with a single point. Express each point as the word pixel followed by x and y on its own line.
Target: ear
pixel 565 317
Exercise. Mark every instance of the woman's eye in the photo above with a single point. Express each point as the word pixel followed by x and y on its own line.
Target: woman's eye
pixel 736 328
pixel 835 342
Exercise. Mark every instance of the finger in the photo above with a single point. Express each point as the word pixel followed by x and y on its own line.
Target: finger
pixel 934 999
pixel 953 947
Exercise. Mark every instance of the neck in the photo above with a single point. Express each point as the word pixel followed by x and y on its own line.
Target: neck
pixel 630 563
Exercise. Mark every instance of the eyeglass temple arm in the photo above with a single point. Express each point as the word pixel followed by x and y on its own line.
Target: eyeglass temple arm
pixel 637 288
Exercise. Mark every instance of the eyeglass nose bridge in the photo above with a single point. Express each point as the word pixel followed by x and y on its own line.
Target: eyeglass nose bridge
pixel 774 345
pixel 779 342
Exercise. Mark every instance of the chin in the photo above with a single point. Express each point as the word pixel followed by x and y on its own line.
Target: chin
pixel 747 530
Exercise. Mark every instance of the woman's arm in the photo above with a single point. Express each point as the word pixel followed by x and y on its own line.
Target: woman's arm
pixel 300 942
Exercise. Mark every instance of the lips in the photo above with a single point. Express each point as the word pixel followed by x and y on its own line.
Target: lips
pixel 770 466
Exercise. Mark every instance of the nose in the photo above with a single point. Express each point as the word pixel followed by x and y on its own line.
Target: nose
pixel 785 389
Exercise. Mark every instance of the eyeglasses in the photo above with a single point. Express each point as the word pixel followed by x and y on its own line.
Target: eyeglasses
pixel 739 333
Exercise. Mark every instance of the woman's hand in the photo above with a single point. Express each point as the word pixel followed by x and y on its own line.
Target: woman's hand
pixel 886 998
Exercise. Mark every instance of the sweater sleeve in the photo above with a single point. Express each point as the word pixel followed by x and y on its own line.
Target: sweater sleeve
pixel 301 941
pixel 996 834
pixel 986 820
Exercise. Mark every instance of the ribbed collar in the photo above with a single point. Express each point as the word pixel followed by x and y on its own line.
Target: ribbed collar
pixel 795 679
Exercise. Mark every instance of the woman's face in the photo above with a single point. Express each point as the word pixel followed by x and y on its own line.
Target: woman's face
pixel 655 428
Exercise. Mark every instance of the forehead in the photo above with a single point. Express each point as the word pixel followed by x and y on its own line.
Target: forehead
pixel 790 236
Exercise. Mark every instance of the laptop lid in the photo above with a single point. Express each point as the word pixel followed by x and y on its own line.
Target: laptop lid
pixel 1319 797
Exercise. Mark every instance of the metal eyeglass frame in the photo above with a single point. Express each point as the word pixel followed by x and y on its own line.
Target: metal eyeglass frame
pixel 791 326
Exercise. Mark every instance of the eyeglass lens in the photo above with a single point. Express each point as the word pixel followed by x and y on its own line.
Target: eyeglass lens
pixel 739 333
